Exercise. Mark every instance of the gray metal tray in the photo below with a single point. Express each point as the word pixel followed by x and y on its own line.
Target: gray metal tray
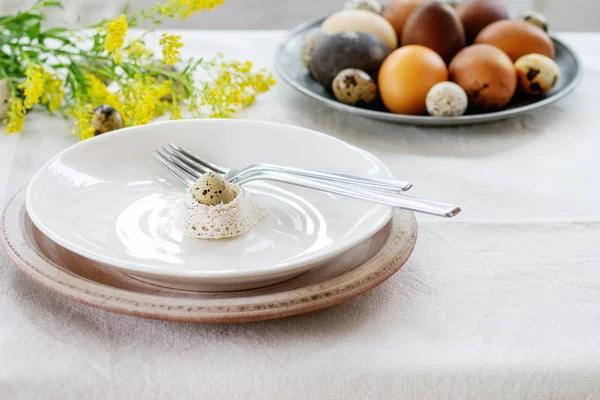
pixel 289 67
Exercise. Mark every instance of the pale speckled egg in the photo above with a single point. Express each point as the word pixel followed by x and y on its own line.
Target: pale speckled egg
pixel 353 86
pixel 536 74
pixel 212 189
pixel 361 21
pixel 446 99
pixel 106 119
pixel 4 99
pixel 535 18
pixel 367 5
pixel 311 40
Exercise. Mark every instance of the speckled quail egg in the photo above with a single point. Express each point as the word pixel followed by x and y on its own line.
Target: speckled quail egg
pixel 5 96
pixel 367 5
pixel 446 99
pixel 4 99
pixel 536 74
pixel 212 189
pixel 353 86
pixel 535 18
pixel 310 42
pixel 106 119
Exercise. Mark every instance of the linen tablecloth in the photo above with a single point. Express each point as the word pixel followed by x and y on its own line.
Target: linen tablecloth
pixel 501 302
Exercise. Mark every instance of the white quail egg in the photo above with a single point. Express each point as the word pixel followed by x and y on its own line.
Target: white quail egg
pixel 352 86
pixel 367 5
pixel 212 189
pixel 536 74
pixel 446 99
pixel 106 119
pixel 535 18
pixel 310 42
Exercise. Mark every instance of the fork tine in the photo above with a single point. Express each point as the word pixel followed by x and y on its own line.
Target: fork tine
pixel 197 159
pixel 187 160
pixel 182 166
pixel 177 173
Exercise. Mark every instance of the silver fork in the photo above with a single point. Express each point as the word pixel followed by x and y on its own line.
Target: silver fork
pixel 194 160
pixel 188 174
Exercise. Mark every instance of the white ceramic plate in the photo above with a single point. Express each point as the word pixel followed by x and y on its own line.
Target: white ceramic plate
pixel 108 200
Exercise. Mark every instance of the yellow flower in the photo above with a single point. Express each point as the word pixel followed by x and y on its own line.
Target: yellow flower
pixel 116 29
pixel 170 48
pixel 34 85
pixel 175 111
pixel 184 8
pixel 142 99
pixel 262 81
pixel 137 50
pixel 248 99
pixel 16 116
pixel 244 68
pixel 53 92
pixel 83 114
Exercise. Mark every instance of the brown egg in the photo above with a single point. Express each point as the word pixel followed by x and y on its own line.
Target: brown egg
pixel 486 74
pixel 435 25
pixel 477 14
pixel 516 38
pixel 361 21
pixel 407 75
pixel 398 11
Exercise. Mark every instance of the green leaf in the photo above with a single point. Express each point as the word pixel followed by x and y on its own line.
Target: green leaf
pixel 52 3
pixel 26 16
pixel 14 26
pixel 126 8
pixel 33 31
pixel 18 22
pixel 33 55
pixel 54 31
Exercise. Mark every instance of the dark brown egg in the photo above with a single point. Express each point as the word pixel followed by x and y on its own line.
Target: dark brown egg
pixel 436 26
pixel 398 11
pixel 346 50
pixel 477 14
pixel 516 38
pixel 486 74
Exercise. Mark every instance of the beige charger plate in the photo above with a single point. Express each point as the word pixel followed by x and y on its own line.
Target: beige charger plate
pixel 353 273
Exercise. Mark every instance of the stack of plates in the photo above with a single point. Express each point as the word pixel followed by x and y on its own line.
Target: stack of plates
pixel 102 223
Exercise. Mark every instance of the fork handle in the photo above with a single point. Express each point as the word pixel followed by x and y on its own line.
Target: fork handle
pixel 380 183
pixel 390 199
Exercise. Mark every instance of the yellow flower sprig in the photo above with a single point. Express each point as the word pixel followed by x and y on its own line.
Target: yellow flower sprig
pixel 116 29
pixel 33 86
pixel 16 116
pixel 121 75
pixel 170 48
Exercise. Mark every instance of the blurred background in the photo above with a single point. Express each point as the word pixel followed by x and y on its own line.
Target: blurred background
pixel 564 15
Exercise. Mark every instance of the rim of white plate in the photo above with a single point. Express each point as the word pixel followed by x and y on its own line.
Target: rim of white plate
pixel 284 267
